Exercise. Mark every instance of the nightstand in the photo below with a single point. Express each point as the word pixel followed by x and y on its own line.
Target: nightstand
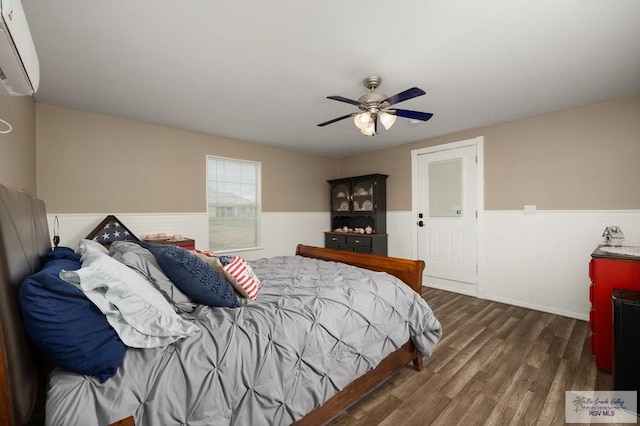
pixel 185 243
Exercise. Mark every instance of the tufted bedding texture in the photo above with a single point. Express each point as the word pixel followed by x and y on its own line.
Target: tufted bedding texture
pixel 314 328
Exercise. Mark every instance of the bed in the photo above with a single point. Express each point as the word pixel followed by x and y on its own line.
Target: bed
pixel 314 394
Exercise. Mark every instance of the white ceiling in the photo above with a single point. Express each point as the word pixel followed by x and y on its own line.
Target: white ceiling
pixel 260 71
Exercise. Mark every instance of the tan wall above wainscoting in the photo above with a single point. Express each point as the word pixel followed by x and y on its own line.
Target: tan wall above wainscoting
pixel 584 158
pixel 18 148
pixel 91 163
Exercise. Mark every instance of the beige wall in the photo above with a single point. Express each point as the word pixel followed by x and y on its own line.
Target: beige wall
pixel 584 158
pixel 88 163
pixel 18 148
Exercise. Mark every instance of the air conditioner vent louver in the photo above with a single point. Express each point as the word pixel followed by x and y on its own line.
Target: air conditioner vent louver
pixel 19 66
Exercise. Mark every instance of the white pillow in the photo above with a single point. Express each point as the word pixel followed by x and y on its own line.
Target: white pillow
pixel 138 312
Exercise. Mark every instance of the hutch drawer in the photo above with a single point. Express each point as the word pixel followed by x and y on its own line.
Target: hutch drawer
pixel 363 243
pixel 359 241
pixel 335 241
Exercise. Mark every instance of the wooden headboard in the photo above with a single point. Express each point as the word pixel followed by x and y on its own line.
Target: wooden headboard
pixel 24 239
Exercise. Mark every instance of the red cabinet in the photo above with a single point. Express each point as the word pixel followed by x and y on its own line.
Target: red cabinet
pixel 608 271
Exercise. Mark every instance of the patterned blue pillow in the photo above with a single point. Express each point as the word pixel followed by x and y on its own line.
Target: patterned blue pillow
pixel 65 325
pixel 193 276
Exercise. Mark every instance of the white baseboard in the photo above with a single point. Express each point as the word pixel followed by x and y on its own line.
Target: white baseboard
pixel 540 308
pixel 448 285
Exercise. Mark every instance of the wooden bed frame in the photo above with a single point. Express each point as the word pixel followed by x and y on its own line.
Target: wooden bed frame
pixel 24 238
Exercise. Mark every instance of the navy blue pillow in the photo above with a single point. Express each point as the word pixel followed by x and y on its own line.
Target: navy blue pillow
pixel 66 326
pixel 61 253
pixel 193 276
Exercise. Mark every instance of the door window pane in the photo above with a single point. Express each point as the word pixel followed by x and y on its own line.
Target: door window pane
pixel 445 188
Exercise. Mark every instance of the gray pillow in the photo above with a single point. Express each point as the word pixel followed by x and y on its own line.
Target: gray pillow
pixel 140 259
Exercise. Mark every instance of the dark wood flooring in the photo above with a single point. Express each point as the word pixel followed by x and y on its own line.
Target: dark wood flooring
pixel 496 364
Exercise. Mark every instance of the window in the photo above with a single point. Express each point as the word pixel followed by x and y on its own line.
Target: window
pixel 233 203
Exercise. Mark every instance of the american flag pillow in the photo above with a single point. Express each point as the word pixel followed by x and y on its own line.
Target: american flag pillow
pixel 236 270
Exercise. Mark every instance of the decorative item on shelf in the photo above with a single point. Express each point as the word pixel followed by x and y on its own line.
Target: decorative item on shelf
pixel 367 205
pixel 613 236
pixel 344 207
pixel 368 230
pixel 174 240
pixel 356 205
pixel 156 237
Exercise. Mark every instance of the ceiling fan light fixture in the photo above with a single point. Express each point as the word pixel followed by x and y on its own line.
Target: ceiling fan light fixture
pixel 362 119
pixel 387 119
pixel 372 107
pixel 369 129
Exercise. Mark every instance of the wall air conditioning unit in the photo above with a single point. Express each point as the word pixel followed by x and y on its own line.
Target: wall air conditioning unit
pixel 19 65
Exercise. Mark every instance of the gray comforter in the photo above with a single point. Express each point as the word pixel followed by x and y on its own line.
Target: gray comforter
pixel 315 327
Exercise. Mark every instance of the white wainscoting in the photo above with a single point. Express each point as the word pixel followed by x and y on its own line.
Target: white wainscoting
pixel 73 227
pixel 281 232
pixel 541 261
pixel 536 261
pixel 400 227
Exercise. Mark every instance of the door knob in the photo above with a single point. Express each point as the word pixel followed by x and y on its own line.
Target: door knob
pixel 420 223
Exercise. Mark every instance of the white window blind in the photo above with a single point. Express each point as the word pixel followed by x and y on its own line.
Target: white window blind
pixel 233 203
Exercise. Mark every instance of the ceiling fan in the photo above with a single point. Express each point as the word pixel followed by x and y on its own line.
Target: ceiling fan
pixel 373 106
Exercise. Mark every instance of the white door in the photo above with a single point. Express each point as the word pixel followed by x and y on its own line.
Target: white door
pixel 447 222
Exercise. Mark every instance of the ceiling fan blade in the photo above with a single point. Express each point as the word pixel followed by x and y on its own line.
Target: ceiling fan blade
pixel 414 92
pixel 336 119
pixel 414 115
pixel 343 99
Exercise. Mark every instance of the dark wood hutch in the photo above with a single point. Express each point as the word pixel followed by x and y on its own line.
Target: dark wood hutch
pixel 358 214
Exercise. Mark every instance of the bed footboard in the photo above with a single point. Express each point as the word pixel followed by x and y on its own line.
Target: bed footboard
pixel 409 271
